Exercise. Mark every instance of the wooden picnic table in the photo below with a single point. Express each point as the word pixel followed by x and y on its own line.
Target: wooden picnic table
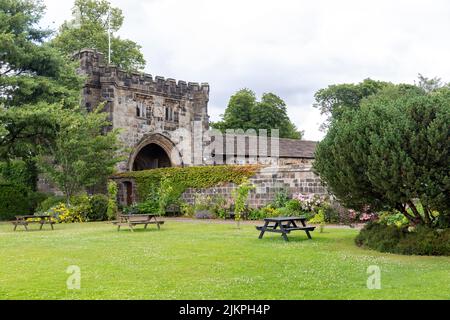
pixel 132 220
pixel 24 221
pixel 284 225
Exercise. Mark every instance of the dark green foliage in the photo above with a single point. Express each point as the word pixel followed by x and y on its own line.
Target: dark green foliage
pixel 245 112
pixel 35 79
pixel 391 151
pixel 421 241
pixel 332 214
pixel 294 206
pixel 49 202
pixel 14 200
pixel 89 29
pixel 280 199
pixel 148 181
pixel 83 154
pixel 19 173
pixel 336 99
pixel 30 71
pixel 99 207
pixel 380 237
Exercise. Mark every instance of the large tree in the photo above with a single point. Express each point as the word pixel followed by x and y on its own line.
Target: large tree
pixel 33 78
pixel 245 112
pixel 393 153
pixel 88 28
pixel 83 154
pixel 335 99
pixel 40 115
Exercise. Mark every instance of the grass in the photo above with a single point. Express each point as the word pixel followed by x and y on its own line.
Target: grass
pixel 198 260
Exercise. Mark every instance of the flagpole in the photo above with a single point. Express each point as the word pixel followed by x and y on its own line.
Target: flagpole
pixel 109 37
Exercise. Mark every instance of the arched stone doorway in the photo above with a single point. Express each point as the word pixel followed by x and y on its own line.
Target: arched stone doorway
pixel 154 151
pixel 151 156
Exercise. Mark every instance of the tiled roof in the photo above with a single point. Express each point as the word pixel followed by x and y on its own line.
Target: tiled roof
pixel 288 148
pixel 292 148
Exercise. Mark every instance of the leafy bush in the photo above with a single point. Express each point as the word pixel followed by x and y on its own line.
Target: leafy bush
pixel 18 173
pixel 281 199
pixel 390 238
pixel 264 212
pixel 81 203
pixel 168 193
pixel 112 209
pixel 148 181
pixel 240 196
pixel 64 214
pixel 393 218
pixel 14 200
pixel 294 207
pixel 426 241
pixel 36 198
pixel 319 219
pixel 99 207
pixel 50 202
pixel 187 209
pixel 147 207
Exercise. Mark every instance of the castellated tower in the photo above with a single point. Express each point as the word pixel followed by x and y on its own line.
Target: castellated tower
pixel 151 112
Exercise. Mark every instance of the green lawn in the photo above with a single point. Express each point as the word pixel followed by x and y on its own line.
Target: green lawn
pixel 198 260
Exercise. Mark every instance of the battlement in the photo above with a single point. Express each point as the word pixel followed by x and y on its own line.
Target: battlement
pixel 92 64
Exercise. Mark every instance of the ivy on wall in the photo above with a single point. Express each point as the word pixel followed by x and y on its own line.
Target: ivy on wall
pixel 148 182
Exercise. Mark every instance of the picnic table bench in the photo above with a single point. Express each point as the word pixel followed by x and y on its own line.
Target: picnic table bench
pixel 284 225
pixel 132 220
pixel 25 220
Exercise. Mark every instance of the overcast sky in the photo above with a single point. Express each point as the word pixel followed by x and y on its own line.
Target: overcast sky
pixel 291 48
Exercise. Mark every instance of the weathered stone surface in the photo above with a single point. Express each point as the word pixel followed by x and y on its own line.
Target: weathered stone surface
pixel 140 105
pixel 148 110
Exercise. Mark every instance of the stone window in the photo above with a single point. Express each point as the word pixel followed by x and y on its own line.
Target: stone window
pixel 138 111
pixel 169 114
pixel 148 112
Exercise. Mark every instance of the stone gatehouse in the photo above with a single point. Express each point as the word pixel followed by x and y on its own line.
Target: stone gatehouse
pixel 157 115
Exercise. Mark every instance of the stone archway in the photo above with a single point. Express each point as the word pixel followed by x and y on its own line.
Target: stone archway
pixel 154 151
pixel 152 156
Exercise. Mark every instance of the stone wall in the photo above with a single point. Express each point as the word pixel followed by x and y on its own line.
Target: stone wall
pixel 269 181
pixel 140 105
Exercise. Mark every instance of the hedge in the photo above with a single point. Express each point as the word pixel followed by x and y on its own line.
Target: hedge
pixel 148 181
pixel 421 241
pixel 14 200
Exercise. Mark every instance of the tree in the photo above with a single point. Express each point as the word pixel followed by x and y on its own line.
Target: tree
pixel 430 85
pixel 245 112
pixel 335 99
pixel 89 29
pixel 392 153
pixel 31 71
pixel 33 79
pixel 83 155
pixel 238 114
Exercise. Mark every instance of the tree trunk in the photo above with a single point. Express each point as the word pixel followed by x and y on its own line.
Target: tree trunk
pixel 419 218
pixel 402 209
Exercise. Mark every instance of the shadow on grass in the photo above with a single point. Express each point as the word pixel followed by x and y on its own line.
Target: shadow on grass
pixel 140 230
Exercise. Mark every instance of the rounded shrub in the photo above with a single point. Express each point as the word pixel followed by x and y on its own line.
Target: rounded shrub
pixel 99 207
pixel 14 200
pixel 390 238
pixel 49 203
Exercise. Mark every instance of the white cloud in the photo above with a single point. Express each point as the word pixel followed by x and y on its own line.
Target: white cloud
pixel 291 48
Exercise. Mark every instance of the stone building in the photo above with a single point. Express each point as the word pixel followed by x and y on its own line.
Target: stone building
pixel 146 109
pixel 156 116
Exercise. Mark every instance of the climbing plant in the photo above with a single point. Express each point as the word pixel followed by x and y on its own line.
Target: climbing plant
pixel 112 200
pixel 240 196
pixel 172 182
